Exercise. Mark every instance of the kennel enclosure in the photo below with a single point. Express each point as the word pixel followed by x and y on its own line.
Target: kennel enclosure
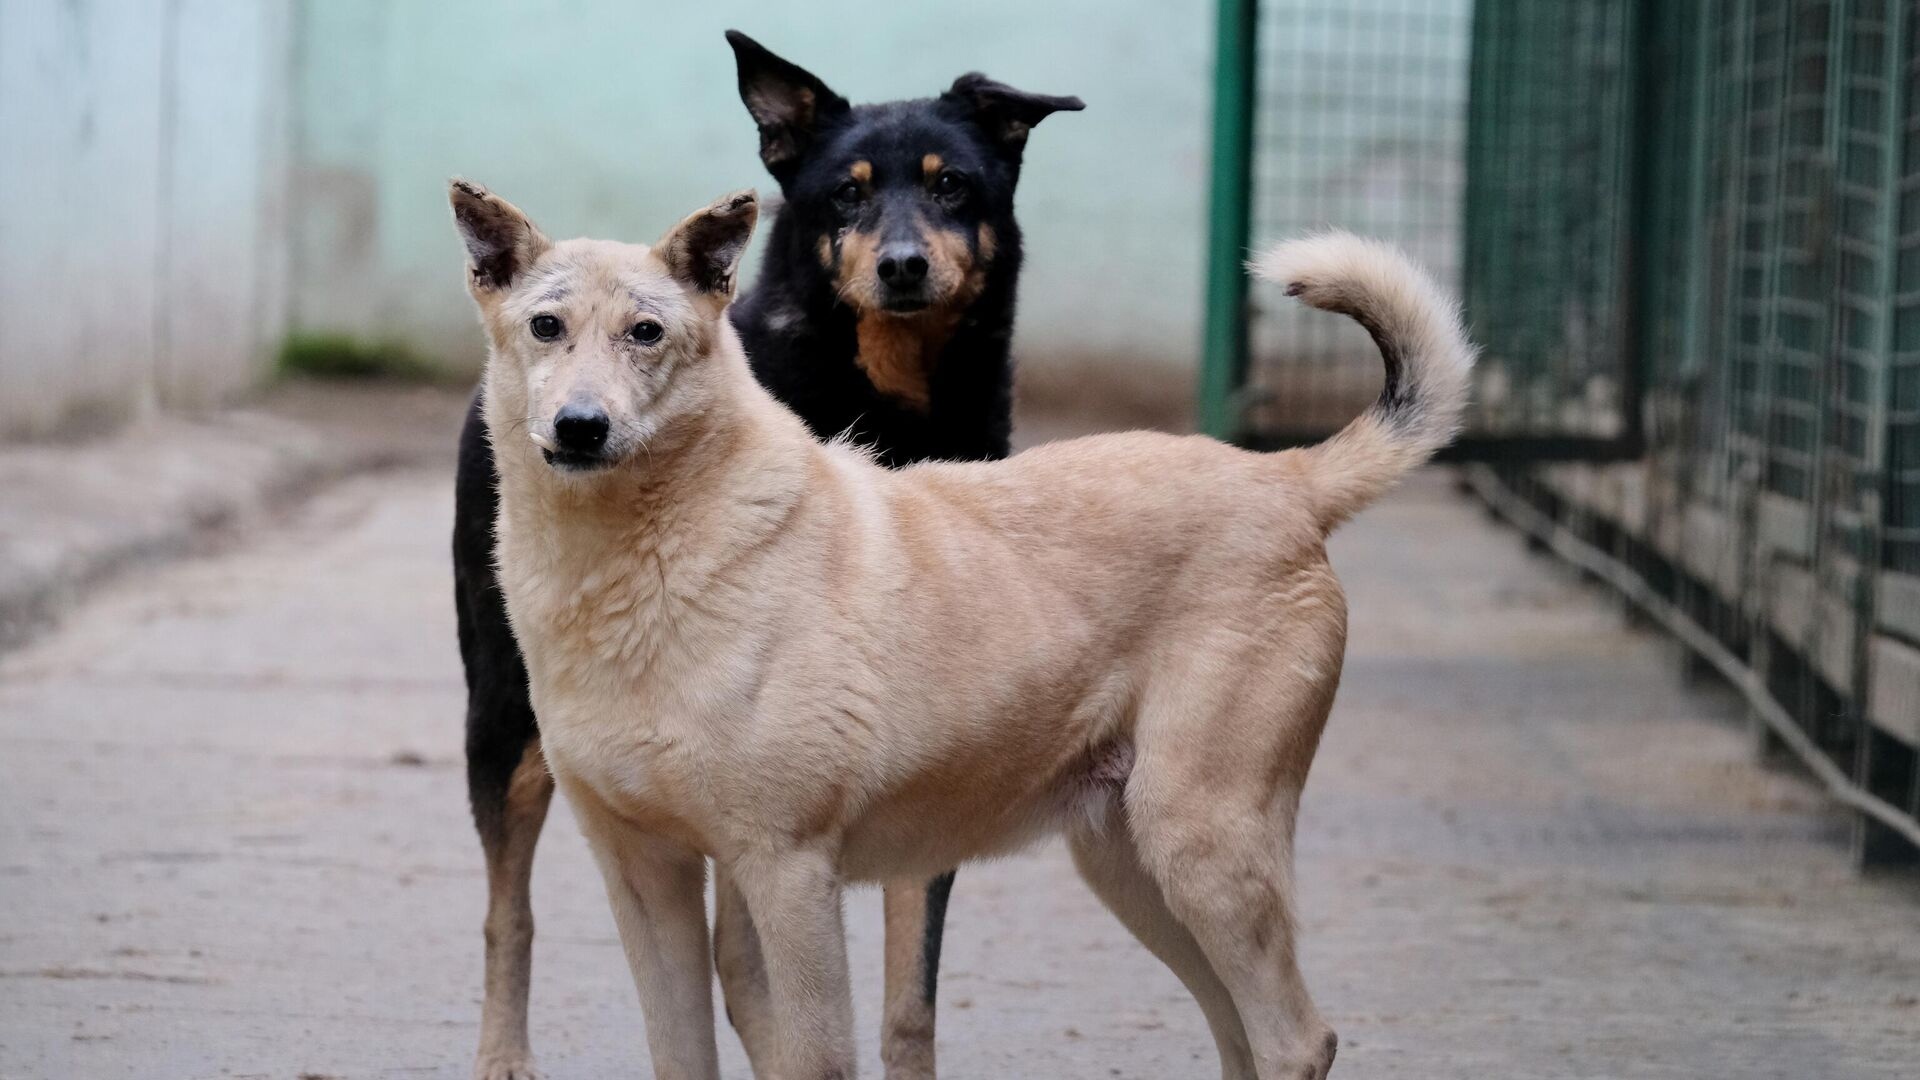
pixel 1688 239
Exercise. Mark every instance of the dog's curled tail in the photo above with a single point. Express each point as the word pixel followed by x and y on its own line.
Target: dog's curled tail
pixel 1427 356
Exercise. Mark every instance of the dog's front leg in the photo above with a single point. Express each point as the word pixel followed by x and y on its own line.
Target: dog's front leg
pixel 657 889
pixel 793 897
pixel 916 913
pixel 743 973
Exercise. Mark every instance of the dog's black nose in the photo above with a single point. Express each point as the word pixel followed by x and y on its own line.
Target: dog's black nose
pixel 581 429
pixel 902 266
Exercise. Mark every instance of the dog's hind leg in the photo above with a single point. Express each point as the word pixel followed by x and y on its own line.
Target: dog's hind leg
pixel 1229 884
pixel 916 916
pixel 507 781
pixel 1222 749
pixel 1107 861
pixel 509 817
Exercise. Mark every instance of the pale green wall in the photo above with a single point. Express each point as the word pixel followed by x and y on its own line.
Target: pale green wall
pixel 200 175
pixel 613 118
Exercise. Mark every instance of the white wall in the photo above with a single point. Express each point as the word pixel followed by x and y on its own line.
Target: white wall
pixel 142 205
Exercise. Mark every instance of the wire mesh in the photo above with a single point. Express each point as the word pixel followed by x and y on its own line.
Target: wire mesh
pixel 1685 230
pixel 1900 540
pixel 1545 169
pixel 1722 200
pixel 1360 123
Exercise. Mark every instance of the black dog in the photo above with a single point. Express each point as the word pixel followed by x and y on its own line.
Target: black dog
pixel 883 313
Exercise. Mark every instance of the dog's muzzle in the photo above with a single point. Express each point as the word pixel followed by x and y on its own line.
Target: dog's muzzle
pixel 579 439
pixel 902 270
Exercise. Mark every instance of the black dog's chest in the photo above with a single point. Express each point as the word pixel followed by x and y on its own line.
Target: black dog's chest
pixel 811 365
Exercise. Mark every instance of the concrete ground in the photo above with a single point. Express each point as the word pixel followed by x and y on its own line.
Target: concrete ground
pixel 77 511
pixel 234 843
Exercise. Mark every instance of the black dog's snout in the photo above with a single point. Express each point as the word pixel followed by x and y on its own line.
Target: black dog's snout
pixel 581 429
pixel 903 266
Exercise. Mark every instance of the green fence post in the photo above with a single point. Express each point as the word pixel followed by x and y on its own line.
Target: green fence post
pixel 1873 843
pixel 1223 356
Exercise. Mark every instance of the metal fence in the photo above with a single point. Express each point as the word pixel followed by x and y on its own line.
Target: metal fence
pixel 1691 248
pixel 1330 112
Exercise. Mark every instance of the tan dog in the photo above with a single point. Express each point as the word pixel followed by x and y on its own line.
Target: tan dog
pixel 749 646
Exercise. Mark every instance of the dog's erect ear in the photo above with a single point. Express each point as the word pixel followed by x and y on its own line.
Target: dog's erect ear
pixel 1005 113
pixel 703 252
pixel 501 242
pixel 786 100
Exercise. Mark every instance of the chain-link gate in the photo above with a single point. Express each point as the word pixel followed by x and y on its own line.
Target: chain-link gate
pixel 1350 113
pixel 1691 245
pixel 1762 252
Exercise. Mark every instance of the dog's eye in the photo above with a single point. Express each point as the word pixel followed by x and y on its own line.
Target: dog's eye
pixel 545 327
pixel 948 184
pixel 646 332
pixel 848 193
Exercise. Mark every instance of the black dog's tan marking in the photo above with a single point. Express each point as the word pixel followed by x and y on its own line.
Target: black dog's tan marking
pixel 914 930
pixel 899 352
pixel 908 263
pixel 899 356
pixel 933 382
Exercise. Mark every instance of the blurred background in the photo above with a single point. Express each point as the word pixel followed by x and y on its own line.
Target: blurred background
pixel 1623 779
pixel 217 185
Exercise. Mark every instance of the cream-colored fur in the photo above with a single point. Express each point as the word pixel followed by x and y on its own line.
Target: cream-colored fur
pixel 749 646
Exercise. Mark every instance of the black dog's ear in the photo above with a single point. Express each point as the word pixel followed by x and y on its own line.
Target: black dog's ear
pixel 1006 114
pixel 501 242
pixel 786 100
pixel 704 250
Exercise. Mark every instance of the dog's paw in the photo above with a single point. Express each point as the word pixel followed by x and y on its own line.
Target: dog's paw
pixel 1320 1054
pixel 505 1067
